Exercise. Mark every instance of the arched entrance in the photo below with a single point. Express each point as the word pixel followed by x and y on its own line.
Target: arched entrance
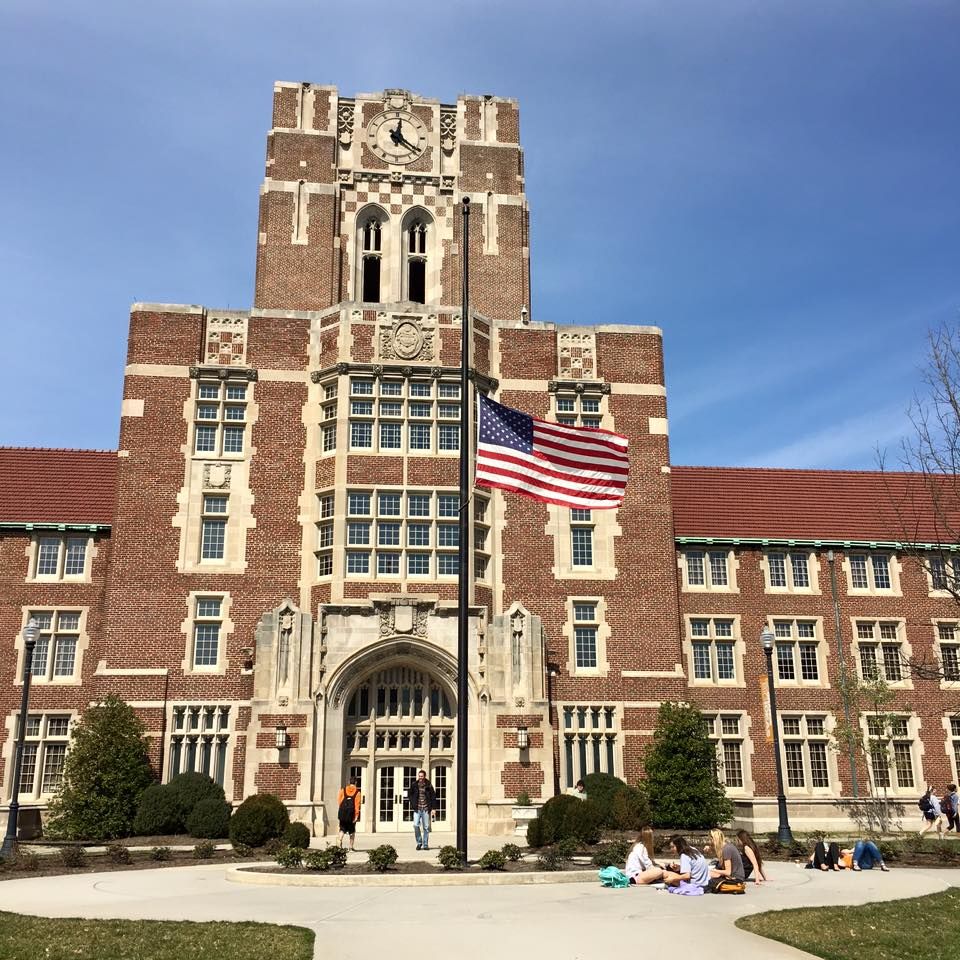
pixel 397 720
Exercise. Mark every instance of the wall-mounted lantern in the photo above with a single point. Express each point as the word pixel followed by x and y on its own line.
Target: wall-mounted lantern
pixel 281 741
pixel 523 738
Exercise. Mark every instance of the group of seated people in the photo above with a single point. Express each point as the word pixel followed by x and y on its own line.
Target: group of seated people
pixel 691 874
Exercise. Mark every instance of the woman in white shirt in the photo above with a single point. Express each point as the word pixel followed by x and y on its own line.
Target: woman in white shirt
pixel 640 867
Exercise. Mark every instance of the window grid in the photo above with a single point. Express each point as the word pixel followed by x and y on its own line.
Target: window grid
pixel 55 652
pixel 199 740
pixel 712 642
pixel 60 558
pixel 891 736
pixel 880 650
pixel 44 753
pixel 798 651
pixel 586 626
pixel 949 650
pixel 220 417
pixel 578 409
pixel 724 730
pixel 589 741
pixel 870 572
pixel 805 745
pixel 708 569
pixel 206 631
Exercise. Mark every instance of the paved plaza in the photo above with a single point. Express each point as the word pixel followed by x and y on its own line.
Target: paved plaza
pixel 564 921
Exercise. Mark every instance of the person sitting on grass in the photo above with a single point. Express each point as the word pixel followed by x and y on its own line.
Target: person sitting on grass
pixel 640 867
pixel 691 875
pixel 825 856
pixel 752 859
pixel 865 856
pixel 729 862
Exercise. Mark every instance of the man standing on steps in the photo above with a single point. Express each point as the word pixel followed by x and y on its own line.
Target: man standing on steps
pixel 423 800
pixel 348 810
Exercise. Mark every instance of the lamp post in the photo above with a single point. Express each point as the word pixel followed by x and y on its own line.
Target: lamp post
pixel 784 834
pixel 30 633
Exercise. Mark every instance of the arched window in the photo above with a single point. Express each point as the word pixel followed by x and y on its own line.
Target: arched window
pixel 416 252
pixel 371 260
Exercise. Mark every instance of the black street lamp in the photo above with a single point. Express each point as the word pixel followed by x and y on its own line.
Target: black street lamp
pixel 784 834
pixel 29 642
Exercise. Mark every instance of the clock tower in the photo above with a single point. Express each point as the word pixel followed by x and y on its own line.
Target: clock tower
pixel 361 196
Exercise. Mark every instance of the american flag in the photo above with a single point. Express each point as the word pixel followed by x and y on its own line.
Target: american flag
pixel 578 467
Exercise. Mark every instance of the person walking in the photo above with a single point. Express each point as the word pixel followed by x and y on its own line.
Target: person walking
pixel 932 814
pixel 423 800
pixel 348 810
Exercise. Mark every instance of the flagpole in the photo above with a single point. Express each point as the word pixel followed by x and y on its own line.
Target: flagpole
pixel 463 583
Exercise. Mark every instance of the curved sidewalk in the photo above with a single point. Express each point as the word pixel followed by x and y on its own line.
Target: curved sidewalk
pixel 560 922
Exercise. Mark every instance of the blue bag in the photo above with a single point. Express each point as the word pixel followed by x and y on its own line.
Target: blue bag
pixel 613 877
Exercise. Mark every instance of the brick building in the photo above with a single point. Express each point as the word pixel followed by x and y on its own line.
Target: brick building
pixel 270 556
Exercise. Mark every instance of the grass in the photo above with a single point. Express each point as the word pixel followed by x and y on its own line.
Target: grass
pixel 922 928
pixel 30 938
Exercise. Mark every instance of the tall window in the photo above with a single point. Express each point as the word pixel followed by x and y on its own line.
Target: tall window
pixel 585 626
pixel 949 637
pixel 797 651
pixel 371 259
pixel 880 649
pixel 725 731
pixel 220 418
pixel 891 740
pixel 712 649
pixel 208 621
pixel 213 533
pixel 955 744
pixel 55 654
pixel 417 261
pixel 581 537
pixel 199 739
pixel 328 425
pixel 589 742
pixel 44 752
pixel 60 558
pixel 805 751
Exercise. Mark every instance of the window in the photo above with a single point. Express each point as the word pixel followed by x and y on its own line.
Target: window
pixel 947 634
pixel 942 570
pixel 788 571
pixel 415 253
pixel 706 570
pixel 725 731
pixel 44 751
pixel 371 233
pixel 220 418
pixel 325 504
pixel 581 537
pixel 797 651
pixel 712 643
pixel 585 627
pixel 206 632
pixel 213 532
pixel 589 741
pixel 415 533
pixel 60 558
pixel 955 744
pixel 805 755
pixel 889 738
pixel 578 409
pixel 871 572
pixel 199 739
pixel 880 650
pixel 55 653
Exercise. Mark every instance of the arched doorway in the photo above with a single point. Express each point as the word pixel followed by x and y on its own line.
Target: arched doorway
pixel 396 721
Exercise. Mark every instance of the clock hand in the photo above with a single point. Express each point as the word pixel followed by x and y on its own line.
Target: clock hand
pixel 396 136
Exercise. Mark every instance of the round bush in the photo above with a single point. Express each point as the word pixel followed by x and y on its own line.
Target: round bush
pixel 535 832
pixel 118 853
pixel 204 850
pixel 190 788
pixel 158 813
pixel 297 835
pixel 492 860
pixel 566 816
pixel 73 856
pixel 601 787
pixel 209 820
pixel 289 857
pixel 512 852
pixel 382 858
pixel 259 818
pixel 628 809
pixel 450 858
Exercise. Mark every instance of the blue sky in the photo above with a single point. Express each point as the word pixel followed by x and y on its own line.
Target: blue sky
pixel 773 183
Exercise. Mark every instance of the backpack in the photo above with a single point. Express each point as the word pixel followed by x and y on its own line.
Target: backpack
pixel 924 803
pixel 347 808
pixel 727 885
pixel 946 805
pixel 613 877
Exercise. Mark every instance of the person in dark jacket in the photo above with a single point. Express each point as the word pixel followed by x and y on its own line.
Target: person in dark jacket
pixel 423 800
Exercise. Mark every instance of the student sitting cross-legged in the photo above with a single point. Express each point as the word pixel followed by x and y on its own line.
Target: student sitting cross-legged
pixel 640 867
pixel 691 875
pixel 729 862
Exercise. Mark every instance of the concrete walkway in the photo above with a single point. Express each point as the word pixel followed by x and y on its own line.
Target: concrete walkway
pixel 560 922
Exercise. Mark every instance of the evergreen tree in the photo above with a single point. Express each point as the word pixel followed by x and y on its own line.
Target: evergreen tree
pixel 681 772
pixel 106 771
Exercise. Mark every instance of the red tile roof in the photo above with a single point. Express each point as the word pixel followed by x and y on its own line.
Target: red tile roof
pixel 830 505
pixel 39 485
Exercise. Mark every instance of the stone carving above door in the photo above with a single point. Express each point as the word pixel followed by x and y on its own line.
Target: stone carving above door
pixel 403 615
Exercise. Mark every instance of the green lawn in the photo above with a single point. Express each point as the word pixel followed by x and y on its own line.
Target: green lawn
pixel 33 938
pixel 922 928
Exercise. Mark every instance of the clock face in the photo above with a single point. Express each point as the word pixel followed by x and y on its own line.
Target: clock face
pixel 397 136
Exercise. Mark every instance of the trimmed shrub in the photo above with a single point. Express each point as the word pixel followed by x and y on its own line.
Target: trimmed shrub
pixel 600 788
pixel 681 782
pixel 568 847
pixel 329 857
pixel 259 818
pixel 209 819
pixel 613 854
pixel 628 810
pixel 338 857
pixel 450 858
pixel 566 816
pixel 535 833
pixel 512 852
pixel 73 857
pixel 289 857
pixel 523 799
pixel 550 859
pixel 118 853
pixel 272 846
pixel 242 850
pixel 105 773
pixel 204 850
pixel 188 789
pixel 297 835
pixel 158 813
pixel 382 858
pixel 492 860
pixel 160 853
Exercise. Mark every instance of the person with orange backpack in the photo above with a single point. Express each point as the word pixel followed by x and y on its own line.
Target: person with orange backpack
pixel 348 810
